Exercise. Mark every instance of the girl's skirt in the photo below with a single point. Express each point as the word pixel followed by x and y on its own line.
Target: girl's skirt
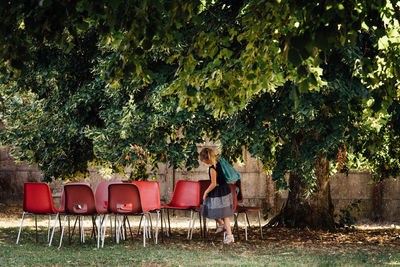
pixel 218 203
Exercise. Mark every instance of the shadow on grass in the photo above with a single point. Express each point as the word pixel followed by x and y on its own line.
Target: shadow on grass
pixel 176 250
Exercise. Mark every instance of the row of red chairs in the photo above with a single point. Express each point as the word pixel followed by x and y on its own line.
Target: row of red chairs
pixel 115 198
pixel 118 198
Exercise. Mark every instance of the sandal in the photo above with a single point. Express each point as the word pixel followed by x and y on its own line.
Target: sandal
pixel 220 228
pixel 228 239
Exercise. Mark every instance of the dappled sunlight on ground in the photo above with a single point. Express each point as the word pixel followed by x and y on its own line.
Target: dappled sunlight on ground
pixel 369 236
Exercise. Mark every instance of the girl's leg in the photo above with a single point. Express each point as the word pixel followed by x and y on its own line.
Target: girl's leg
pixel 228 238
pixel 228 226
pixel 220 226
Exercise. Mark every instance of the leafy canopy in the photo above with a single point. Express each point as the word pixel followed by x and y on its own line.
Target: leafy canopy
pixel 83 81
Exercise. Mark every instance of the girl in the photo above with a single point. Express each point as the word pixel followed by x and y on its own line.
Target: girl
pixel 217 198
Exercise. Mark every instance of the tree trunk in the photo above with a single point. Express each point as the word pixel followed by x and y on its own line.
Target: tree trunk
pixel 314 211
pixel 377 200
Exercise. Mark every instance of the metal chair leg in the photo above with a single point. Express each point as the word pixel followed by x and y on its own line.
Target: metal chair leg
pixel 62 231
pixel 20 228
pixel 129 226
pixel 54 228
pixel 144 231
pixel 156 234
pixel 94 228
pixel 111 228
pixel 201 227
pixel 165 222
pixel 235 215
pixel 140 224
pixel 98 232
pixel 69 230
pixel 36 228
pixel 190 224
pixel 48 229
pixel 247 218
pixel 150 225
pixel 162 228
pixel 115 226
pixel 245 224
pixel 103 232
pixel 124 218
pixel 259 222
pixel 80 229
pixel 169 223
pixel 118 230
pixel 193 222
pixel 123 227
pixel 59 220
pixel 73 228
pixel 83 229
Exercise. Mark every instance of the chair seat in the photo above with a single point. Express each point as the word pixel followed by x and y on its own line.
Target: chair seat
pixel 166 206
pixel 55 211
pixel 250 209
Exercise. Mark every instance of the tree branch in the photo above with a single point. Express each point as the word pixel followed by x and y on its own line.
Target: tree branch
pixel 396 10
pixel 3 105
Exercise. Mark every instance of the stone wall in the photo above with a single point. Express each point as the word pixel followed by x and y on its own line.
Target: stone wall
pixel 258 188
pixel 13 176
pixel 357 186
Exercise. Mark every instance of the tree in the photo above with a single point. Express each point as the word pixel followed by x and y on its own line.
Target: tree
pixel 48 106
pixel 288 79
pixel 305 138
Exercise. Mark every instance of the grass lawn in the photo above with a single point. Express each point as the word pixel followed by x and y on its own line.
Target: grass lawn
pixel 280 247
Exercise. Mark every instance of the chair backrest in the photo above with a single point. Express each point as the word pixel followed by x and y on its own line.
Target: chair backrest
pixel 79 199
pixel 101 195
pixel 239 191
pixel 62 200
pixel 124 198
pixel 204 184
pixel 149 195
pixel 186 193
pixel 234 196
pixel 38 199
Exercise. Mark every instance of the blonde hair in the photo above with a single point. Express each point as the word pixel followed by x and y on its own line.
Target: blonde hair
pixel 208 154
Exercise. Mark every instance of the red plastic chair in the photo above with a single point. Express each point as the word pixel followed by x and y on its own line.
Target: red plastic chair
pixel 243 209
pixel 101 195
pixel 204 184
pixel 150 199
pixel 62 200
pixel 186 196
pixel 38 201
pixel 124 199
pixel 150 195
pixel 234 196
pixel 80 201
pixel 62 206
